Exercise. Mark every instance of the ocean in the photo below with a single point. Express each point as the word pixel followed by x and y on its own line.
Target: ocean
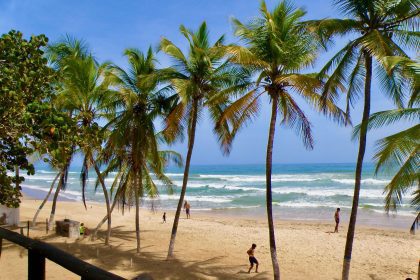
pixel 300 191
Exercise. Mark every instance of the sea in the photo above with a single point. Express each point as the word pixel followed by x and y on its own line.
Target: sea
pixel 303 192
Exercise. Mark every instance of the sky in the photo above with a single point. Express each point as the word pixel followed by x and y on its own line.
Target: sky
pixel 111 26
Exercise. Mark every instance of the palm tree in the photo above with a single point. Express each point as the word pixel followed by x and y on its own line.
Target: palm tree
pixel 399 153
pixel 133 143
pixel 381 29
pixel 277 48
pixel 62 184
pixel 45 199
pixel 121 183
pixel 198 79
pixel 82 93
pixel 57 149
pixel 56 159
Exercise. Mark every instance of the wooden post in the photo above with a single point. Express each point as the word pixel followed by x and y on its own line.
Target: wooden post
pixel 46 226
pixel 21 230
pixel 27 229
pixel 36 265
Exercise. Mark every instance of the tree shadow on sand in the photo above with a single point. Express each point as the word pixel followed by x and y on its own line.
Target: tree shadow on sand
pixel 118 257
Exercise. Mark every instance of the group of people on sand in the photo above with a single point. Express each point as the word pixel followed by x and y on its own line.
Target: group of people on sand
pixel 187 207
pixel 253 260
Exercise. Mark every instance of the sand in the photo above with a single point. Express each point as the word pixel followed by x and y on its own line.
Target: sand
pixel 214 247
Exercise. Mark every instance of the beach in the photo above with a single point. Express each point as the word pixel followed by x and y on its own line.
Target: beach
pixel 213 245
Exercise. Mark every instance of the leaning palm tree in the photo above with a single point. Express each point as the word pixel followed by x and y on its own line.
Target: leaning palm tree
pixel 381 28
pixel 83 91
pixel 55 158
pixel 62 184
pixel 141 99
pixel 277 48
pixel 197 77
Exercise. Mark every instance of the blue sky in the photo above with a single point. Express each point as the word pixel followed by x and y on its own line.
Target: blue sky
pixel 111 26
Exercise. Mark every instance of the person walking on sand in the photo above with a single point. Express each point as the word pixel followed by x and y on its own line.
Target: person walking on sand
pixel 337 219
pixel 252 258
pixel 164 217
pixel 187 207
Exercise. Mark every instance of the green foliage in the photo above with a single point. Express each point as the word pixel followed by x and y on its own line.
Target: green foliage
pixel 383 30
pixel 25 113
pixel 132 149
pixel 277 49
pixel 204 77
pixel 398 154
pixel 81 93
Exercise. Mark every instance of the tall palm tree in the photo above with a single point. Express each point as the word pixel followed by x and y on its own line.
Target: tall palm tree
pixel 141 99
pixel 277 48
pixel 198 77
pixel 381 28
pixel 83 91
pixel 399 153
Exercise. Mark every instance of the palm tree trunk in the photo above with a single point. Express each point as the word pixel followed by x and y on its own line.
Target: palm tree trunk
pixel 108 208
pixel 269 199
pixel 137 194
pixel 17 177
pixel 57 191
pixel 415 225
pixel 104 219
pixel 191 139
pixel 45 200
pixel 359 166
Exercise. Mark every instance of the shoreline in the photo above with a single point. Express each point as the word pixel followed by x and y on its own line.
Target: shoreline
pixel 367 218
pixel 212 246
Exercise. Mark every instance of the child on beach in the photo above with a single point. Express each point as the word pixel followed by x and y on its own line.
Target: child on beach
pixel 252 258
pixel 84 231
pixel 337 219
pixel 164 217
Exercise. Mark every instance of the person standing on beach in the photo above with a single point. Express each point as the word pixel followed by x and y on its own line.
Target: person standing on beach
pixel 252 258
pixel 164 217
pixel 187 207
pixel 337 219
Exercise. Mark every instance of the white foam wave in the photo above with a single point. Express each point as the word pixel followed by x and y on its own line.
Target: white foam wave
pixel 39 177
pixel 369 181
pixel 195 184
pixel 307 205
pixel 274 178
pixel 72 195
pixel 367 193
pixel 214 199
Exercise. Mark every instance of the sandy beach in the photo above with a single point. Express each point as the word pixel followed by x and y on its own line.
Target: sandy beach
pixel 214 247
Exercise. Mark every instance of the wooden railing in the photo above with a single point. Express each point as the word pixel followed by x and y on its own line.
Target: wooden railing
pixel 38 251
